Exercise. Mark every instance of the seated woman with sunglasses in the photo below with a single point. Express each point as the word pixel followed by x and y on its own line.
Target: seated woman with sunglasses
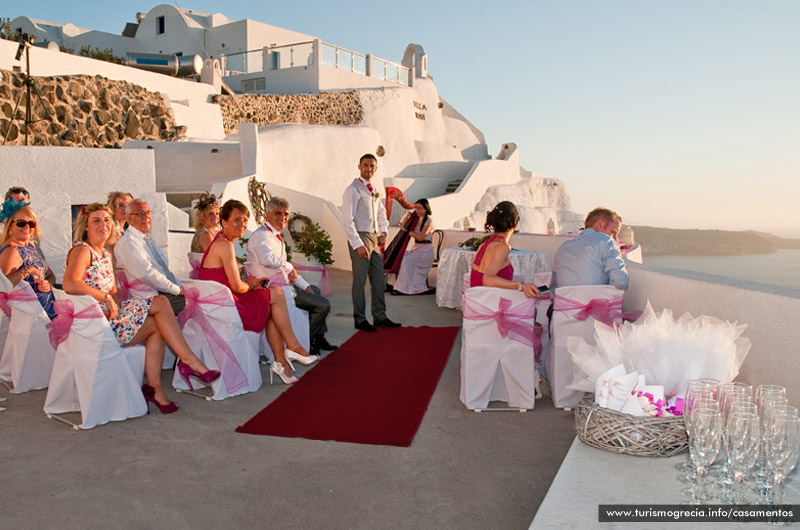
pixel 138 320
pixel 20 260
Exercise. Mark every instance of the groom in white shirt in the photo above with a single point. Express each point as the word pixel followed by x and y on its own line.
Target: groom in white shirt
pixel 266 248
pixel 143 264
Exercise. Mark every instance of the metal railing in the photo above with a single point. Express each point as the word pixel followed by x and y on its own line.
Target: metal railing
pixel 246 62
pixel 344 59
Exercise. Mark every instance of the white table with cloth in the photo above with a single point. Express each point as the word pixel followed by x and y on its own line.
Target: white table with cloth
pixel 454 262
pixel 589 477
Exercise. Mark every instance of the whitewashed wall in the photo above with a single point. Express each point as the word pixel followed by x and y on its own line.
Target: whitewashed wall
pixel 58 177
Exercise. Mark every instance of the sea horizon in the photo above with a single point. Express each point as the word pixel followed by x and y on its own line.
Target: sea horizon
pixel 779 268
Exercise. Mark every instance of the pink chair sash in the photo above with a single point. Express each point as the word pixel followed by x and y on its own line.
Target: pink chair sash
pixel 23 295
pixel 325 283
pixel 279 279
pixel 65 314
pixel 195 264
pixel 515 323
pixel 232 373
pixel 124 285
pixel 603 310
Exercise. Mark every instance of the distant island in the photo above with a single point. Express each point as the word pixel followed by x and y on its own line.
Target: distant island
pixel 657 241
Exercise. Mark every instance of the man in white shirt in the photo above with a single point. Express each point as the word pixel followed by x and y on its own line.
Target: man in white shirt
pixel 142 263
pixel 266 248
pixel 364 221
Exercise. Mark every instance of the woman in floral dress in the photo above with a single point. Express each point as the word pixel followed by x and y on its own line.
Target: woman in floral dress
pixel 138 320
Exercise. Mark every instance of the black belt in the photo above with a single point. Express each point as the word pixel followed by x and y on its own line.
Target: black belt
pixel 423 242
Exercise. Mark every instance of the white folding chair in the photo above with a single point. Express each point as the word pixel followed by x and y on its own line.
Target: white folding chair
pixel 92 373
pixel 569 303
pixel 27 358
pixel 297 316
pixel 214 333
pixel 497 358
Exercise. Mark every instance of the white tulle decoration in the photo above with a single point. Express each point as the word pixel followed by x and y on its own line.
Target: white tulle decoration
pixel 666 351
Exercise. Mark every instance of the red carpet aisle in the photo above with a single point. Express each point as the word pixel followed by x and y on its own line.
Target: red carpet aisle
pixel 374 389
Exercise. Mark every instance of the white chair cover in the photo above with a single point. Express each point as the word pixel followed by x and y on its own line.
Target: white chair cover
pixel 563 325
pixel 27 359
pixel 93 374
pixel 195 258
pixel 297 316
pixel 240 374
pixel 494 368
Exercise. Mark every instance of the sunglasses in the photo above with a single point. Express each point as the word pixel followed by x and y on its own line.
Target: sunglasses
pixel 21 223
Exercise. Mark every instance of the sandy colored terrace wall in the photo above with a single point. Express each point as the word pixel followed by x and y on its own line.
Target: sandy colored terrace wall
pixel 326 108
pixel 85 111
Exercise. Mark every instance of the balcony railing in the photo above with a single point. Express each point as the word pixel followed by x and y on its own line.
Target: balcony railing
pixel 302 54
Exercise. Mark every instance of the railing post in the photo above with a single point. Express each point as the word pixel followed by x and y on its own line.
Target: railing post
pixel 316 50
pixel 369 65
pixel 266 60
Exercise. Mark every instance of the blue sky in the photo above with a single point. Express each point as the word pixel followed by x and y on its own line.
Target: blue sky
pixel 677 113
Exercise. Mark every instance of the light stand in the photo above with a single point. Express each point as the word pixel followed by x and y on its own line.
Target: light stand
pixel 24 46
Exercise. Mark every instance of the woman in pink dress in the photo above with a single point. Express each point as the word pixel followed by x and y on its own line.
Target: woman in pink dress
pixel 259 308
pixel 491 266
pixel 137 320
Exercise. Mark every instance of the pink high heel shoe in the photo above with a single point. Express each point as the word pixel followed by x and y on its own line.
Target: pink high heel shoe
pixel 149 394
pixel 185 370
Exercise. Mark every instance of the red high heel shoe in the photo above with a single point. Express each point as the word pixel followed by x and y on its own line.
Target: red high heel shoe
pixel 150 397
pixel 185 370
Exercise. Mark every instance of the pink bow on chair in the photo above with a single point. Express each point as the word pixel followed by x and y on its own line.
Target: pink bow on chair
pixel 325 283
pixel 279 279
pixel 233 375
pixel 65 313
pixel 515 323
pixel 195 264
pixel 124 285
pixel 601 309
pixel 23 295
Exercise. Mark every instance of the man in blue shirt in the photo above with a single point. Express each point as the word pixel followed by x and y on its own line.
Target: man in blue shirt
pixel 593 258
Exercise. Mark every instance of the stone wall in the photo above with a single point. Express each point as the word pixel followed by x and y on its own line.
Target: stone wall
pixel 327 108
pixel 85 111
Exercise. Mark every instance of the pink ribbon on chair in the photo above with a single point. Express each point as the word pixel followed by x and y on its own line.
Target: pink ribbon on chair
pixel 516 323
pixel 23 295
pixel 325 283
pixel 195 264
pixel 124 285
pixel 232 373
pixel 279 279
pixel 65 314
pixel 603 310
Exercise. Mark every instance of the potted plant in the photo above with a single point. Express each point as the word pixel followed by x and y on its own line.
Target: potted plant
pixel 315 244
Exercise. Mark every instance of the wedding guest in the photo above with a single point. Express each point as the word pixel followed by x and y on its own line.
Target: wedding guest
pixel 18 193
pixel 365 225
pixel 206 222
pixel 141 261
pixel 147 320
pixel 593 258
pixel 20 259
pixel 415 263
pixel 118 201
pixel 260 309
pixel 267 253
pixel 491 266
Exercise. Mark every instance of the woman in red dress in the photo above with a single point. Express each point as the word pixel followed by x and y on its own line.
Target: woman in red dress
pixel 260 308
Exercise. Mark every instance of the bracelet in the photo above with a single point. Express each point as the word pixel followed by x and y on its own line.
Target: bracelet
pixel 519 287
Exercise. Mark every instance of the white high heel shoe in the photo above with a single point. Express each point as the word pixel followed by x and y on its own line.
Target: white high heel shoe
pixel 277 368
pixel 302 359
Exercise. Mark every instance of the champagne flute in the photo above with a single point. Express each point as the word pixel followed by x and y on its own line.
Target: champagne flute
pixel 704 439
pixel 695 389
pixel 743 437
pixel 783 450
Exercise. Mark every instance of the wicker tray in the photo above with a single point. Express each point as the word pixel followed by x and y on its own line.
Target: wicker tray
pixel 634 435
